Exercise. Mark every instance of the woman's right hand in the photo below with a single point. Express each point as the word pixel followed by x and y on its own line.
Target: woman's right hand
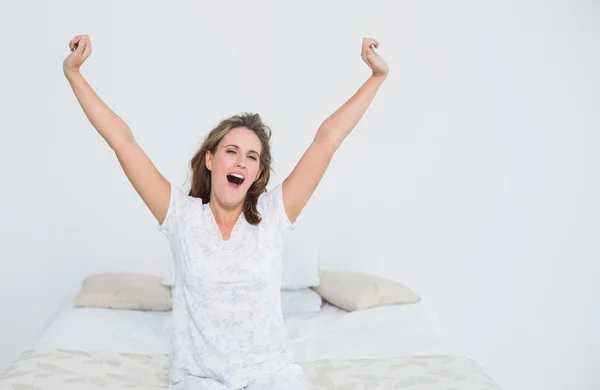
pixel 81 48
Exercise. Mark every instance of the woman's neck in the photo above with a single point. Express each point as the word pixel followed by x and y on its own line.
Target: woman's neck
pixel 223 214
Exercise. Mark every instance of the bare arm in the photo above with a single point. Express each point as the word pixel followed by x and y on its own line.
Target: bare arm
pixel 152 187
pixel 299 186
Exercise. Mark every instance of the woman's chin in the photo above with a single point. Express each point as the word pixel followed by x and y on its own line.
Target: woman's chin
pixel 231 197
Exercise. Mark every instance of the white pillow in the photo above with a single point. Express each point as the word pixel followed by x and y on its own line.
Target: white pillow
pixel 302 300
pixel 168 280
pixel 299 262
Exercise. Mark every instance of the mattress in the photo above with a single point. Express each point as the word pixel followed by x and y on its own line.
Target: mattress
pixel 379 348
pixel 81 370
pixel 331 333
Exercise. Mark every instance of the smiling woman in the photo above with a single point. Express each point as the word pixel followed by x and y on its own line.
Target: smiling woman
pixel 227 234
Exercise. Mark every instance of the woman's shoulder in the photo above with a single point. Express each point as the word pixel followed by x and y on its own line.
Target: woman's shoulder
pixel 182 208
pixel 270 200
pixel 270 206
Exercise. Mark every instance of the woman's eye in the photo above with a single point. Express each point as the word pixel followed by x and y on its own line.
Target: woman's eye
pixel 231 151
pixel 252 157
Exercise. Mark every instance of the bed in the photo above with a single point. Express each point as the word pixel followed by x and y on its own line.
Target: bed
pixel 380 348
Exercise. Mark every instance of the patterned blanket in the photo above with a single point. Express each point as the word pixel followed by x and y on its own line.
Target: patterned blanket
pixel 66 369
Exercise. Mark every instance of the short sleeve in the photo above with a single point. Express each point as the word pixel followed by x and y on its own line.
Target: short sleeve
pixel 270 206
pixel 180 207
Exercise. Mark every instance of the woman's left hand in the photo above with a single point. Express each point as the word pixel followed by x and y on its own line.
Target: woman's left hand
pixel 374 60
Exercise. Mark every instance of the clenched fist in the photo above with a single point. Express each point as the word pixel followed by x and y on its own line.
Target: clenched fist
pixel 372 59
pixel 81 48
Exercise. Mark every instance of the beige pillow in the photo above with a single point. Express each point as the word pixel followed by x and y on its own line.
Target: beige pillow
pixel 125 291
pixel 353 291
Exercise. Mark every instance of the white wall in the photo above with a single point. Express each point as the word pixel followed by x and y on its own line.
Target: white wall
pixel 472 177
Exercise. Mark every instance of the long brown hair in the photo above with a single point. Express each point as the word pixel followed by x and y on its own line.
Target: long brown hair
pixel 201 184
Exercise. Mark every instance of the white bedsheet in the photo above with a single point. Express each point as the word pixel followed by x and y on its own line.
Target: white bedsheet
pixel 392 331
pixel 107 330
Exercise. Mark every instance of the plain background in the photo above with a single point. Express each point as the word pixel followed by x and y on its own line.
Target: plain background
pixel 473 177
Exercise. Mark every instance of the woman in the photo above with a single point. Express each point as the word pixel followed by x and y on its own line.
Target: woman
pixel 227 233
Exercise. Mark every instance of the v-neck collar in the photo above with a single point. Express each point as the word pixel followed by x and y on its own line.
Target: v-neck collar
pixel 217 230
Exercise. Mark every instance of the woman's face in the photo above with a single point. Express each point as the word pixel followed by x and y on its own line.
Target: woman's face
pixel 234 166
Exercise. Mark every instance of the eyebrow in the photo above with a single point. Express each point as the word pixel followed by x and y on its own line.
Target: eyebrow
pixel 237 147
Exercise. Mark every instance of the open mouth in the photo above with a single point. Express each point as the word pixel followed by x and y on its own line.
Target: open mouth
pixel 235 178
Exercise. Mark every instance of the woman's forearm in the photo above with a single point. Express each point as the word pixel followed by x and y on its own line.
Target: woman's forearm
pixel 108 124
pixel 338 125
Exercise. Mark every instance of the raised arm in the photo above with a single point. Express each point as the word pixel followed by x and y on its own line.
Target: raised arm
pixel 299 186
pixel 153 188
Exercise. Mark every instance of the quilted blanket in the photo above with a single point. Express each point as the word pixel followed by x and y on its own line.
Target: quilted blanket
pixel 81 370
